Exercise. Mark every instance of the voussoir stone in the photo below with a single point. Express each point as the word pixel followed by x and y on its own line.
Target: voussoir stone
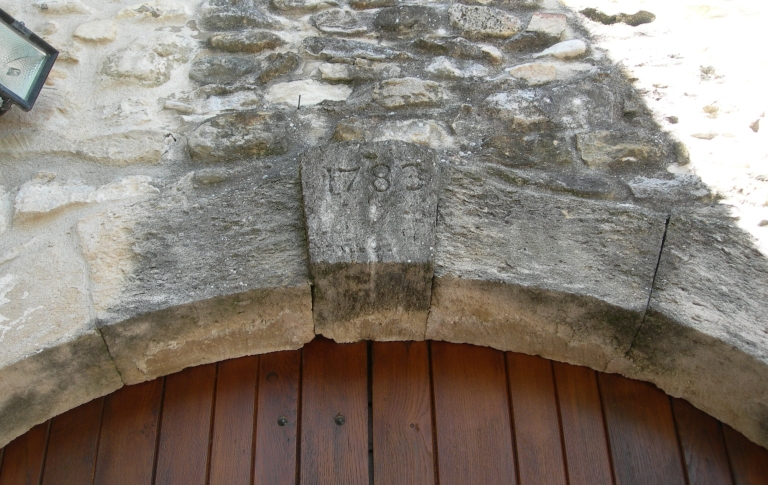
pixel 370 211
pixel 236 136
pixel 205 272
pixel 523 270
pixel 476 21
pixel 704 336
pixel 407 91
pixel 52 358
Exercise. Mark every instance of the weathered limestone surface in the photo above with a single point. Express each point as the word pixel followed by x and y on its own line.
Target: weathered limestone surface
pixel 532 272
pixel 704 338
pixel 252 322
pixel 236 246
pixel 51 356
pixel 6 209
pixel 175 227
pixel 370 211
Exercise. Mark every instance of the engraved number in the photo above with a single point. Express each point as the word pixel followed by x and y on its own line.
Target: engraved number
pixel 381 174
pixel 341 179
pixel 413 179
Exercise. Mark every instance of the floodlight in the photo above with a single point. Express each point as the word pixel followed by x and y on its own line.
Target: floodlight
pixel 25 61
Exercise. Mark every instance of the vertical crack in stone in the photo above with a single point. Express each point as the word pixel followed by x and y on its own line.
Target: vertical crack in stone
pixel 653 285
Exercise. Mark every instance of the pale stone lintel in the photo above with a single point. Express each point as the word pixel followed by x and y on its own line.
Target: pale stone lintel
pixel 55 380
pixel 254 322
pixel 566 327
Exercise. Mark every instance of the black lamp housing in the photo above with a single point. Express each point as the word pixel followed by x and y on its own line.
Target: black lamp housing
pixel 25 102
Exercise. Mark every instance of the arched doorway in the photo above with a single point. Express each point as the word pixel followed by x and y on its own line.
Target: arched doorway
pixel 385 413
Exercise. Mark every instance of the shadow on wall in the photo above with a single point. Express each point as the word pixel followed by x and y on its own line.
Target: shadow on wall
pixel 467 173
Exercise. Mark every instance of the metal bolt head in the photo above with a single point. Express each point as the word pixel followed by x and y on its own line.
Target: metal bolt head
pixel 339 420
pixel 282 421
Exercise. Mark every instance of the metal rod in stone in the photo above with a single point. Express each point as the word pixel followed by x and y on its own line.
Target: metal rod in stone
pixel 299 106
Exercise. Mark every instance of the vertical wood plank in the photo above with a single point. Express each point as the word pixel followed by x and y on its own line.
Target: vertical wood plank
pixel 402 414
pixel 72 445
pixel 581 414
pixel 182 456
pixel 233 421
pixel 642 432
pixel 749 462
pixel 474 436
pixel 275 461
pixel 706 459
pixel 23 457
pixel 129 435
pixel 334 384
pixel 536 420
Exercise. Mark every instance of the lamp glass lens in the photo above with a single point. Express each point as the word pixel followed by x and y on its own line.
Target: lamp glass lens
pixel 20 62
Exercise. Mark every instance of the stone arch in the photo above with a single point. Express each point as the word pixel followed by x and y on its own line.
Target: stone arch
pixel 551 221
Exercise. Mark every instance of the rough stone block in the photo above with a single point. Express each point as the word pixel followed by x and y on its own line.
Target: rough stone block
pixel 566 278
pixel 97 31
pixel 216 268
pixel 237 136
pixel 607 148
pixel 407 91
pixel 474 21
pixel 51 357
pixel 249 41
pixel 43 195
pixel 535 73
pixel 408 20
pixel 59 378
pixel 230 15
pixel 253 322
pixel 339 22
pixel 326 48
pixel 370 211
pixel 705 338
pixel 157 10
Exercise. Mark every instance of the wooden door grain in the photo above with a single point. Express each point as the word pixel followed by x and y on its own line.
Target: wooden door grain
pixel 275 459
pixel 584 435
pixel 72 445
pixel 749 462
pixel 472 423
pixel 233 421
pixel 701 438
pixel 536 420
pixel 642 432
pixel 334 414
pixel 129 435
pixel 182 456
pixel 402 414
pixel 24 456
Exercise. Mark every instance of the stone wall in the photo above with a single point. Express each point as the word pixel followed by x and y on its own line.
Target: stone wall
pixel 204 181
